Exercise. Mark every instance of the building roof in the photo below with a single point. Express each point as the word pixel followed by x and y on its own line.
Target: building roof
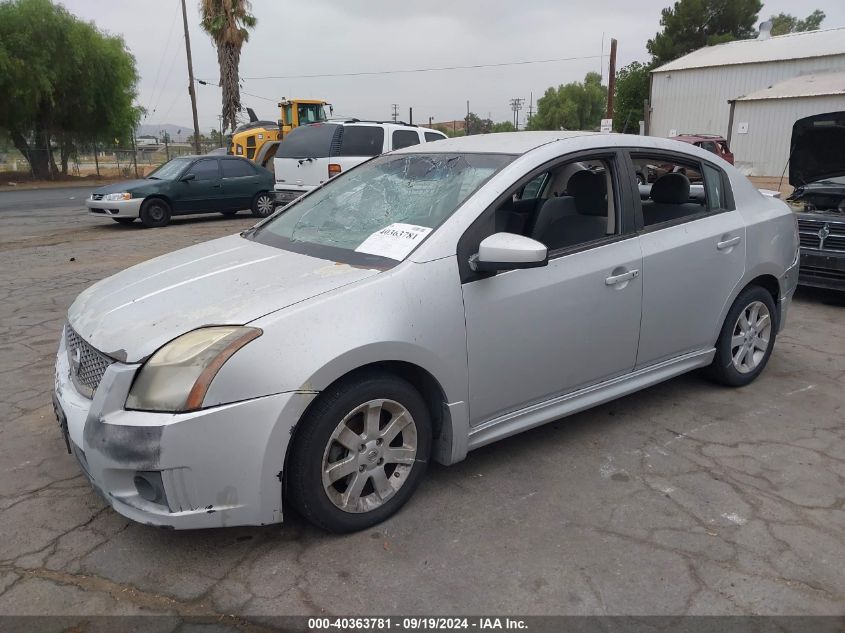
pixel 778 48
pixel 816 85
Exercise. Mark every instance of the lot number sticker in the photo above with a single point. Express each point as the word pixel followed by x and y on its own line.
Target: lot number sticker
pixel 394 241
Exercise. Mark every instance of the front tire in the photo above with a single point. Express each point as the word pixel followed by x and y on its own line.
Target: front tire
pixel 263 205
pixel 155 213
pixel 359 452
pixel 747 338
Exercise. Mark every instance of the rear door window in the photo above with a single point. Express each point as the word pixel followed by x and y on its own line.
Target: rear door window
pixel 433 136
pixel 405 138
pixel 310 141
pixel 361 140
pixel 236 169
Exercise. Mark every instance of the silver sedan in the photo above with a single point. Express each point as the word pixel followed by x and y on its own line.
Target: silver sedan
pixel 425 303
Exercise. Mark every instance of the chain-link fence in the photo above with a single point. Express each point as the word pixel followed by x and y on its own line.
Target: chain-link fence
pixel 104 162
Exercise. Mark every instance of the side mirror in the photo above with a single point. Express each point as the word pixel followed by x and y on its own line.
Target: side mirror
pixel 508 251
pixel 188 177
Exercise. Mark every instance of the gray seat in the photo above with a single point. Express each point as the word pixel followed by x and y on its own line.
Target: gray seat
pixel 588 223
pixel 670 200
pixel 551 210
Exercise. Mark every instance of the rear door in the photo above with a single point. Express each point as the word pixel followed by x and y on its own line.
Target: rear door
pixel 240 183
pixel 404 138
pixel 693 246
pixel 302 159
pixel 203 193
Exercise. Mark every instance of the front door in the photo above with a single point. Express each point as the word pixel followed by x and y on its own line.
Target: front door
pixel 203 193
pixel 538 333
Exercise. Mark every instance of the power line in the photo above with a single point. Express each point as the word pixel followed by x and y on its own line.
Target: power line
pixel 163 56
pixel 425 70
pixel 205 82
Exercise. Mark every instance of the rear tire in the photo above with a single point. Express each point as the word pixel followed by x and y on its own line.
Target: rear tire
pixel 124 220
pixel 359 452
pixel 263 204
pixel 155 213
pixel 747 338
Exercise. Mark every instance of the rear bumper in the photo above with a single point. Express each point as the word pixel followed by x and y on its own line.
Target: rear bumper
pixel 822 269
pixel 284 196
pixel 115 208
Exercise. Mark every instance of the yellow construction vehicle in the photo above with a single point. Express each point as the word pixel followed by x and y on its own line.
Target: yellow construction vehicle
pixel 257 140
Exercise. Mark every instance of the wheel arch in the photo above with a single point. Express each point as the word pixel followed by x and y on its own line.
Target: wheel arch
pixel 432 392
pixel 766 280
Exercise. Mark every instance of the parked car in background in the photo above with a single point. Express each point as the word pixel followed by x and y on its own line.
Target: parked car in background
pixel 433 300
pixel 312 154
pixel 711 142
pixel 817 171
pixel 187 185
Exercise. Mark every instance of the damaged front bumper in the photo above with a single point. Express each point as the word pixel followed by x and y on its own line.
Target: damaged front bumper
pixel 220 466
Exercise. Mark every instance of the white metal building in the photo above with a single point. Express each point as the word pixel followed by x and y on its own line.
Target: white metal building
pixel 693 94
pixel 761 122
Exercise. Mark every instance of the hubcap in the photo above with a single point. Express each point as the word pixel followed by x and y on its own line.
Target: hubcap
pixel 156 212
pixel 369 456
pixel 751 337
pixel 265 205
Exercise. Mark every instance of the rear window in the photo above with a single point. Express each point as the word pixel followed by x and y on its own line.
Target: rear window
pixel 310 141
pixel 405 138
pixel 361 140
pixel 236 168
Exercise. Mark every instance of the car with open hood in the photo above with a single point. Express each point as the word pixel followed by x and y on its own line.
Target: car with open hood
pixel 421 305
pixel 187 185
pixel 817 172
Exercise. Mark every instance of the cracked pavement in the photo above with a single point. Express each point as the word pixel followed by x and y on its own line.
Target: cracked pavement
pixel 686 498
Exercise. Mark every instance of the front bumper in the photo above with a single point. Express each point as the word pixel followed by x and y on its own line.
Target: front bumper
pixel 822 269
pixel 220 466
pixel 114 208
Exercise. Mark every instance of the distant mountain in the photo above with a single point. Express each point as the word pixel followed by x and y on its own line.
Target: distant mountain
pixel 179 133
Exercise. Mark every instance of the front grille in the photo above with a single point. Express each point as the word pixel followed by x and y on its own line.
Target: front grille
pixel 822 273
pixel 810 234
pixel 87 365
pixel 97 196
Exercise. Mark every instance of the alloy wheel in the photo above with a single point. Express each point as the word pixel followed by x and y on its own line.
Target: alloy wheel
pixel 264 205
pixel 369 456
pixel 751 337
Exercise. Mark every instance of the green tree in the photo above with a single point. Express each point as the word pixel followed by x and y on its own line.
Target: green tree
pixel 693 24
pixel 783 23
pixel 503 126
pixel 631 91
pixel 63 83
pixel 574 106
pixel 227 23
pixel 476 125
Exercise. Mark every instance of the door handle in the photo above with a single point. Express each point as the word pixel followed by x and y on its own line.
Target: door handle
pixel 216 186
pixel 618 279
pixel 728 243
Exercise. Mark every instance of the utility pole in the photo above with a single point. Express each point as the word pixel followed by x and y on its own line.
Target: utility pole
pixel 410 116
pixel 191 90
pixel 530 108
pixel 134 153
pixel 430 119
pixel 466 122
pixel 395 112
pixel 516 106
pixel 611 79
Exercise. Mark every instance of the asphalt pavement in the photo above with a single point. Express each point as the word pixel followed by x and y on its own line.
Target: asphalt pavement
pixel 685 498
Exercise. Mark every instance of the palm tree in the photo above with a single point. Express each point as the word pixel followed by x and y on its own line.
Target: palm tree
pixel 227 21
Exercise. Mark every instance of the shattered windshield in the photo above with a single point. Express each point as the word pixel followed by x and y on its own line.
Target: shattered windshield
pixel 384 208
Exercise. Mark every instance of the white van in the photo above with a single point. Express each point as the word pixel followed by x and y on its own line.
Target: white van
pixel 311 154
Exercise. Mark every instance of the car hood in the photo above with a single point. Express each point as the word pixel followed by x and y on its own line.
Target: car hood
pixel 228 281
pixel 126 185
pixel 817 150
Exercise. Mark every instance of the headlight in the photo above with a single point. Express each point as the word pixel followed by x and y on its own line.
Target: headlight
pixel 118 196
pixel 177 376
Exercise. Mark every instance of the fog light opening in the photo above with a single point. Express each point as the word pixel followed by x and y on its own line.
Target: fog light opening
pixel 150 487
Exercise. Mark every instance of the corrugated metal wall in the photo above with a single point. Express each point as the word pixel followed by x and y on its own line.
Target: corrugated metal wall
pixel 696 100
pixel 764 150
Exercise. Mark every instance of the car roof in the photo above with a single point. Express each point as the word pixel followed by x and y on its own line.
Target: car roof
pixel 696 138
pixel 498 143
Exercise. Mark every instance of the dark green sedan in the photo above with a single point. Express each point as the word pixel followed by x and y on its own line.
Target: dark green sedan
pixel 186 185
